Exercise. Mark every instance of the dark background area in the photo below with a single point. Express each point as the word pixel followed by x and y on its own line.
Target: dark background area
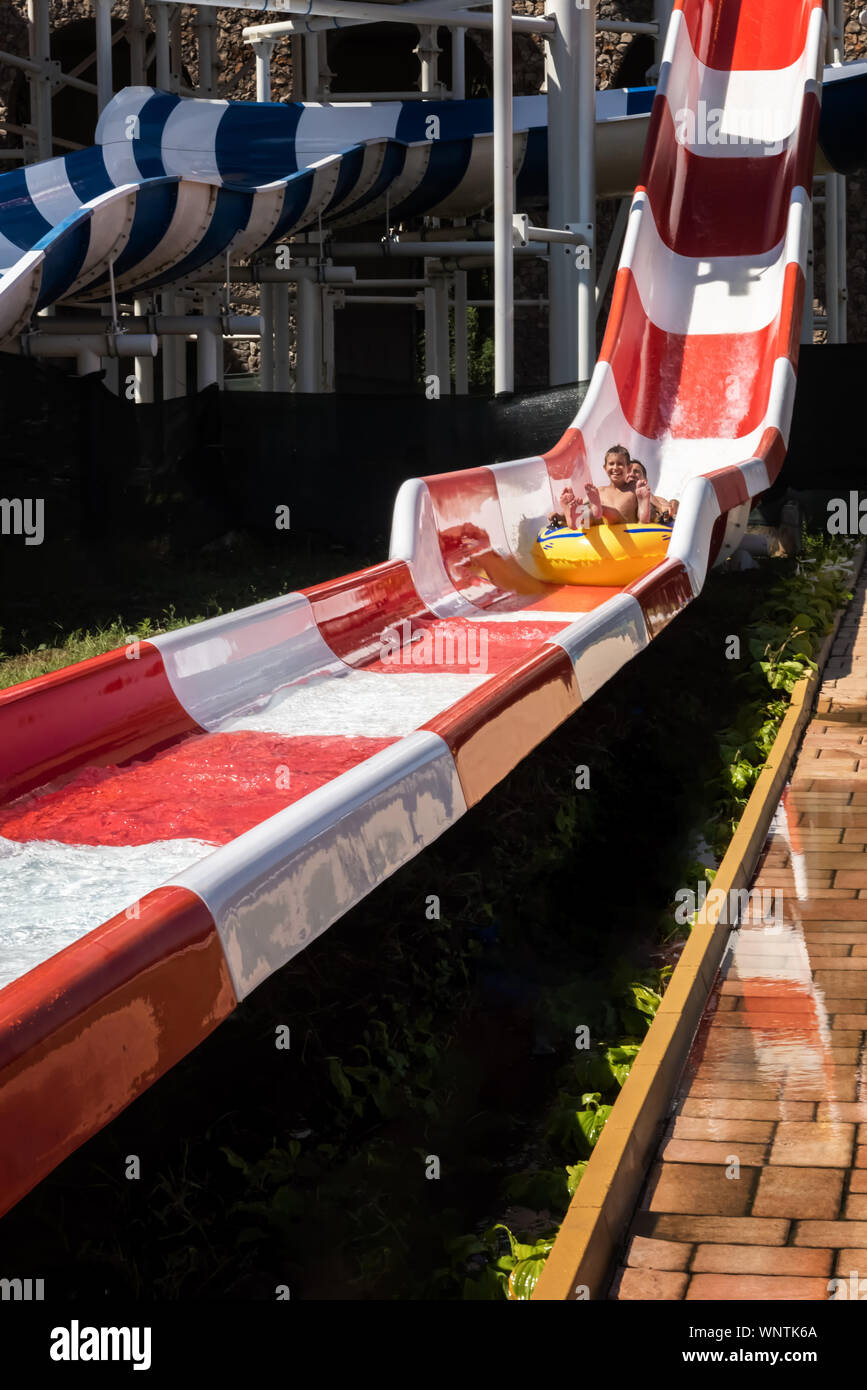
pixel 131 486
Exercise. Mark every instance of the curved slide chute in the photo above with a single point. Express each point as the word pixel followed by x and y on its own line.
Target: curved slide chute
pixel 223 793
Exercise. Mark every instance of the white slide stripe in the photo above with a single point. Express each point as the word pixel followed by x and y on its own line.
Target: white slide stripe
pixel 242 660
pixel 19 291
pixel 50 190
pixel 110 225
pixel 113 125
pixel 599 643
pixel 670 463
pixel 730 294
pixel 693 526
pixel 324 129
pixel 721 114
pixel 526 502
pixel 277 887
pixel 189 139
pixel 414 539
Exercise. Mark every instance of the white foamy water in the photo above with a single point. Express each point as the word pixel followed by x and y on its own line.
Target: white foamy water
pixel 53 894
pixel 375 704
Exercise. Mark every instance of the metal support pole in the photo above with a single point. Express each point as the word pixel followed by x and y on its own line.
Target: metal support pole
pixel 176 48
pixel 459 64
pixel 325 73
pixel 144 366
pixel 329 298
pixel 39 30
pixel 504 198
pixel 104 75
pixel 266 348
pixel 311 67
pixel 807 325
pixel 110 365
pixel 461 355
pixel 442 353
pixel 308 336
pixel 832 256
pixel 571 82
pixel 206 37
pixel 263 49
pixel 662 16
pixel 430 333
pixel 280 303
pixel 209 346
pixel 427 50
pixel 296 58
pixel 174 353
pixel 135 33
pixel 842 279
pixel 161 31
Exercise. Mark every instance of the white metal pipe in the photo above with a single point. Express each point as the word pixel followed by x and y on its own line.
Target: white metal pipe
pixel 460 332
pixel 586 128
pixel 311 66
pixel 280 301
pixel 135 37
pixel 325 73
pixel 174 353
pixel 540 303
pixel 427 51
pixel 564 139
pixel 206 40
pixel 144 366
pixel 504 201
pixel 366 250
pixel 266 349
pixel 329 355
pixel 662 16
pixel 842 278
pixel 414 95
pixel 459 64
pixel 363 12
pixel 443 345
pixel 110 364
pixel 832 261
pixel 416 300
pixel 39 31
pixel 209 345
pixel 430 335
pixel 163 325
pixel 263 49
pixel 807 319
pixel 163 55
pixel 104 75
pixel 308 351
pixel 628 26
pixel 270 275
pixel 176 48
pixel 88 345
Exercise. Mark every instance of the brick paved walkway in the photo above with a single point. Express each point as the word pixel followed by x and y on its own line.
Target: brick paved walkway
pixel 759 1188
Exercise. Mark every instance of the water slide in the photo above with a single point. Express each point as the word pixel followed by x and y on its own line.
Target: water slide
pixel 183 816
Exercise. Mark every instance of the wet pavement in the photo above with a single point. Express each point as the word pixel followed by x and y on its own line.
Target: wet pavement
pixel 759 1185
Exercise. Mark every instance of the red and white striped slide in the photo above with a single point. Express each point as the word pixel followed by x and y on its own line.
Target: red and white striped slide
pixel 183 816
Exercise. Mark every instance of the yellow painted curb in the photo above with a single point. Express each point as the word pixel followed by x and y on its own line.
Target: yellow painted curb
pixel 598 1215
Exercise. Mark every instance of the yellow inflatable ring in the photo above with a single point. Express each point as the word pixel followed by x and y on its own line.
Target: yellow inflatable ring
pixel 603 554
